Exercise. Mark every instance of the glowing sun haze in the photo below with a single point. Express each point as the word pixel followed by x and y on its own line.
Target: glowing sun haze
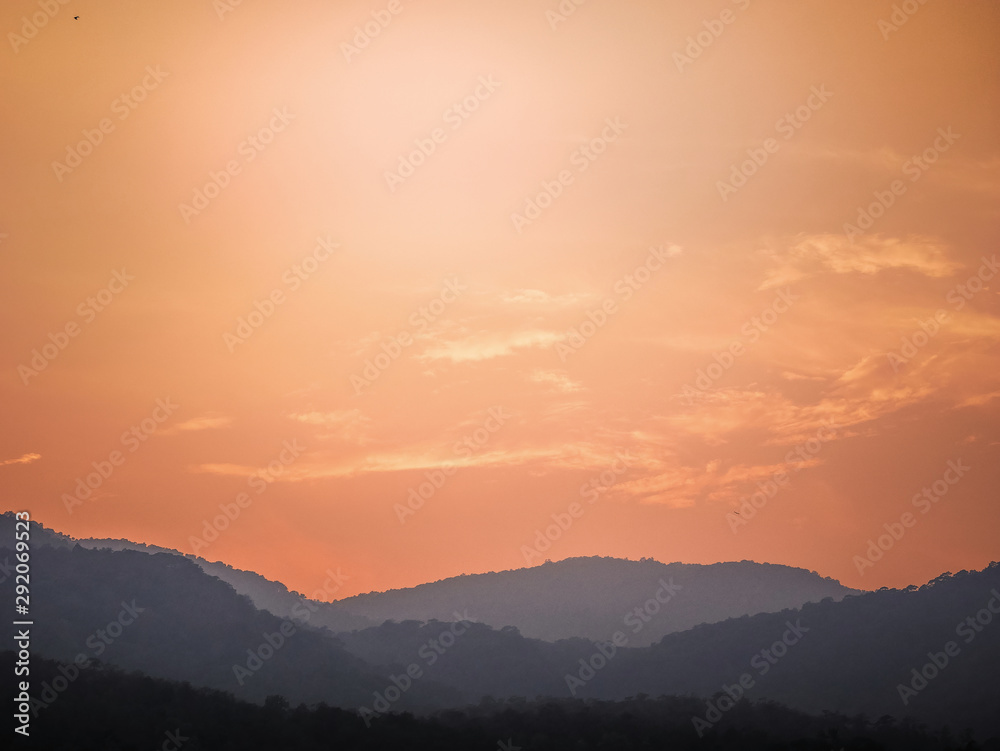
pixel 677 252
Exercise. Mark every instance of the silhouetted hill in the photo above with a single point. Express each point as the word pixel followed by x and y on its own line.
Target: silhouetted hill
pixel 265 594
pixel 849 656
pixel 163 615
pixel 474 658
pixel 853 658
pixel 40 534
pixel 592 597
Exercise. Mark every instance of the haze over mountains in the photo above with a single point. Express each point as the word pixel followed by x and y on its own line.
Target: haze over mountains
pixel 577 597
pixel 590 597
pixel 848 652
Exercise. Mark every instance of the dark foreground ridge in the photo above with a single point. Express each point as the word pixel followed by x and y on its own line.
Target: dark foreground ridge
pixel 105 708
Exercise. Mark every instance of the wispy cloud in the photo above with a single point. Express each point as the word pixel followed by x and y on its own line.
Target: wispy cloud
pixel 326 465
pixel 556 380
pixel 979 399
pixel 350 425
pixel 486 345
pixel 685 486
pixel 23 459
pixel 811 255
pixel 211 421
pixel 542 298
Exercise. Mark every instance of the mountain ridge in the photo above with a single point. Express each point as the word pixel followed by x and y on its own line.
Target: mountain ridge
pixel 583 596
pixel 586 596
pixel 873 653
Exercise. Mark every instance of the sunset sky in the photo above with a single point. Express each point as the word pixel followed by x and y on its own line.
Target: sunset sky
pixel 515 245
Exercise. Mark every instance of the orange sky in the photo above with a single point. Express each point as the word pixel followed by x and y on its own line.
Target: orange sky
pixel 471 296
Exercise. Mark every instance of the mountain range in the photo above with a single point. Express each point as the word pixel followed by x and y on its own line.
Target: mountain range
pixel 583 597
pixel 722 633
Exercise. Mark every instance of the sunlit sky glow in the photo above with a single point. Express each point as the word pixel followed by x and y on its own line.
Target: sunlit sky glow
pixel 790 315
